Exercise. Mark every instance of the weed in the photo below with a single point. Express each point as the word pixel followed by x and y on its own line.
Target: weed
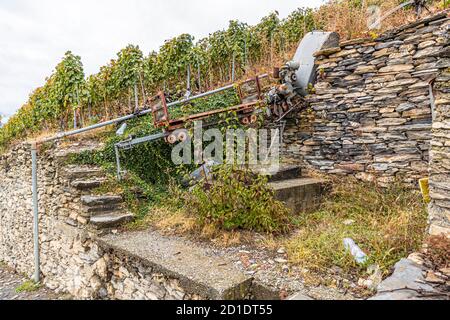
pixel 237 199
pixel 28 286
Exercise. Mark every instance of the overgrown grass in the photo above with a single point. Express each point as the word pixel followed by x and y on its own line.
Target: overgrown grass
pixel 28 286
pixel 228 212
pixel 387 223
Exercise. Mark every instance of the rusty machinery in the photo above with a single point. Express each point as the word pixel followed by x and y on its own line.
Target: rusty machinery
pixel 284 93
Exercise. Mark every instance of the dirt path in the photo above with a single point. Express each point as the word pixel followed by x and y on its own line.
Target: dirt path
pixel 10 281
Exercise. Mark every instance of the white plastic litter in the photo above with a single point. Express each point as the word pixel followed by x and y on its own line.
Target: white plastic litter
pixel 352 247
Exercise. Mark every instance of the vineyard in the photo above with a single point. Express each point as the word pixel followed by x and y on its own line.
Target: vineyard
pixel 70 99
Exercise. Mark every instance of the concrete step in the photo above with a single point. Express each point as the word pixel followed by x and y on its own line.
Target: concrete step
pixel 74 172
pixel 87 184
pixel 110 220
pixel 198 269
pixel 299 195
pixel 286 173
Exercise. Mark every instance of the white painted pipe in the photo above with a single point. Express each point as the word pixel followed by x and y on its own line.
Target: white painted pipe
pixel 34 183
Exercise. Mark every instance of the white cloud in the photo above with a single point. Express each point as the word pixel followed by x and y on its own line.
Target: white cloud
pixel 35 34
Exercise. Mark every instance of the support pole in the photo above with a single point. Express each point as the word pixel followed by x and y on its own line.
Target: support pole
pixel 37 271
pixel 233 68
pixel 136 98
pixel 119 170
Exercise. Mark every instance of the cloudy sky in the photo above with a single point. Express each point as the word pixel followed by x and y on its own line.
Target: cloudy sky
pixel 34 34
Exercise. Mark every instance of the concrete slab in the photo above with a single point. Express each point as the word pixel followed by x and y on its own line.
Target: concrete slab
pixel 284 173
pixel 198 270
pixel 299 195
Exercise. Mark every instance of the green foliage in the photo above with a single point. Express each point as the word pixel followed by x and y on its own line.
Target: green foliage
pixel 28 286
pixel 67 82
pixel 48 105
pixel 237 199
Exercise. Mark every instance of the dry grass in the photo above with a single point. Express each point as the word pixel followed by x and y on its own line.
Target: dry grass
pixel 387 224
pixel 438 251
pixel 170 221
pixel 349 17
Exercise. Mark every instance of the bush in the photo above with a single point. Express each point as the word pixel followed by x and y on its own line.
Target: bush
pixel 238 199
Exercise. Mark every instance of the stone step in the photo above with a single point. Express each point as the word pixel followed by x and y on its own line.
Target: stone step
pixel 104 200
pixel 100 210
pixel 88 184
pixel 199 270
pixel 95 205
pixel 299 195
pixel 64 153
pixel 74 172
pixel 110 220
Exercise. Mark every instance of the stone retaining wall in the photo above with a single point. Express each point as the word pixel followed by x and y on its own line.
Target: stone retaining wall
pixel 72 260
pixel 371 114
pixel 440 150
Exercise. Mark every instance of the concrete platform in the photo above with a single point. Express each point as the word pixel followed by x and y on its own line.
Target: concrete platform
pixel 299 195
pixel 198 270
pixel 285 173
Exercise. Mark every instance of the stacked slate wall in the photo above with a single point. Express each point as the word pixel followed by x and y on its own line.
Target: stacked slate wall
pixel 371 115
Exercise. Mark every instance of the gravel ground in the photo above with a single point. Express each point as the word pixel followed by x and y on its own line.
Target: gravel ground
pixel 272 270
pixel 10 281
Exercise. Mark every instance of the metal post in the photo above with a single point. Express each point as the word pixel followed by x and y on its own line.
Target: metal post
pixel 35 212
pixel 74 118
pixel 116 149
pixel 136 98
pixel 188 84
pixel 233 68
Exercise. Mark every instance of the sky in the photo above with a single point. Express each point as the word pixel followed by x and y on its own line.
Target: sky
pixel 34 35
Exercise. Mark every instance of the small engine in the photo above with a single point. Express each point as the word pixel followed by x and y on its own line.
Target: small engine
pixel 283 97
pixel 299 74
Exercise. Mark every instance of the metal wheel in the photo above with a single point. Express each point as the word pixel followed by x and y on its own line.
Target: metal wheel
pixel 172 139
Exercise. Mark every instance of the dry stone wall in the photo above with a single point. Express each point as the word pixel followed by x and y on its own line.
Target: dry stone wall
pixel 440 150
pixel 72 259
pixel 371 112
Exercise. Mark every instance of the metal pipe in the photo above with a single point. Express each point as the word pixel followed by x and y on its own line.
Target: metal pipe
pixel 136 98
pixel 37 271
pixel 116 150
pixel 432 100
pixel 93 127
pixel 74 118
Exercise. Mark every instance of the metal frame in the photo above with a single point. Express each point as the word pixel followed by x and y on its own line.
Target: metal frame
pixel 128 144
pixel 167 122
